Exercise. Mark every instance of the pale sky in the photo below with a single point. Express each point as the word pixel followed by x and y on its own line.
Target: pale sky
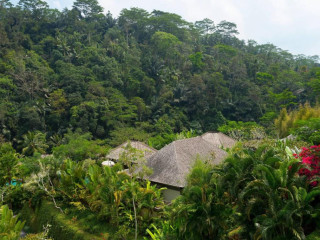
pixel 292 25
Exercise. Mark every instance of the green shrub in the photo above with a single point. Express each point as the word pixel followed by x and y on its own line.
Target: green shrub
pixel 243 130
pixel 78 147
pixel 314 236
pixel 308 130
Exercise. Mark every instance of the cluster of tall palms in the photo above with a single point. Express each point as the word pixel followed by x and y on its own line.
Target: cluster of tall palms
pixel 114 196
pixel 254 194
pixel 111 193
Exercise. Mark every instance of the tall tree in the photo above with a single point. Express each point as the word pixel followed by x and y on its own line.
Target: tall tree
pixel 205 26
pixel 88 8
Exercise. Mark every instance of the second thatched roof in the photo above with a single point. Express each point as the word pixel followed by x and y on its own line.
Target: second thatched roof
pixel 219 139
pixel 118 151
pixel 173 162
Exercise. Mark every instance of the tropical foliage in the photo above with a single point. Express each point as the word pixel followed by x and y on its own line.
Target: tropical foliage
pixel 304 118
pixel 255 194
pixel 77 82
pixel 10 227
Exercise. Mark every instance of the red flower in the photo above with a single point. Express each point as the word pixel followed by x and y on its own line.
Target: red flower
pixel 310 157
pixel 314 183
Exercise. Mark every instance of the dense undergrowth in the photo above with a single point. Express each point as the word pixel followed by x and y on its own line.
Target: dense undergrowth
pixel 263 190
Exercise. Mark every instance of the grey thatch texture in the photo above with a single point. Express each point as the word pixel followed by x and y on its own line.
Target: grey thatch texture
pixel 289 137
pixel 172 163
pixel 219 139
pixel 116 152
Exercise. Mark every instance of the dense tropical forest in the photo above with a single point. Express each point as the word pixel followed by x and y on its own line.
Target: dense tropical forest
pixel 76 83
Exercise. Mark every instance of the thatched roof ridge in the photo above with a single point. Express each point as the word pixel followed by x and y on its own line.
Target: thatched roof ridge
pixel 116 152
pixel 289 137
pixel 172 163
pixel 219 139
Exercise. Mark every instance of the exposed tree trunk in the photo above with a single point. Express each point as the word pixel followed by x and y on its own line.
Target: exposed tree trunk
pixel 135 219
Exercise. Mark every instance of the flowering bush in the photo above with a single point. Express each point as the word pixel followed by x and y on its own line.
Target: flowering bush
pixel 310 157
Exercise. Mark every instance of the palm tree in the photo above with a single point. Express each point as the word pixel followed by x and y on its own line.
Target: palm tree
pixel 277 201
pixel 33 142
pixel 201 212
pixel 72 182
pixel 10 227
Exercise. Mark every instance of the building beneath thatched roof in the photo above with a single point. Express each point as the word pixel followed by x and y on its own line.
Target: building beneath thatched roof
pixel 108 163
pixel 118 151
pixel 219 139
pixel 173 162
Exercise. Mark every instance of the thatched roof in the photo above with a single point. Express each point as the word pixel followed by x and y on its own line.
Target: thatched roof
pixel 219 139
pixel 289 137
pixel 116 152
pixel 172 163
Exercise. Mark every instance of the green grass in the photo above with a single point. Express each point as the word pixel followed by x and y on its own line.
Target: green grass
pixel 89 221
pixel 74 224
pixel 63 227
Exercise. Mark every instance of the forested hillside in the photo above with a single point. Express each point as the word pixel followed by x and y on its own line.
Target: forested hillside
pixel 76 82
pixel 140 76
